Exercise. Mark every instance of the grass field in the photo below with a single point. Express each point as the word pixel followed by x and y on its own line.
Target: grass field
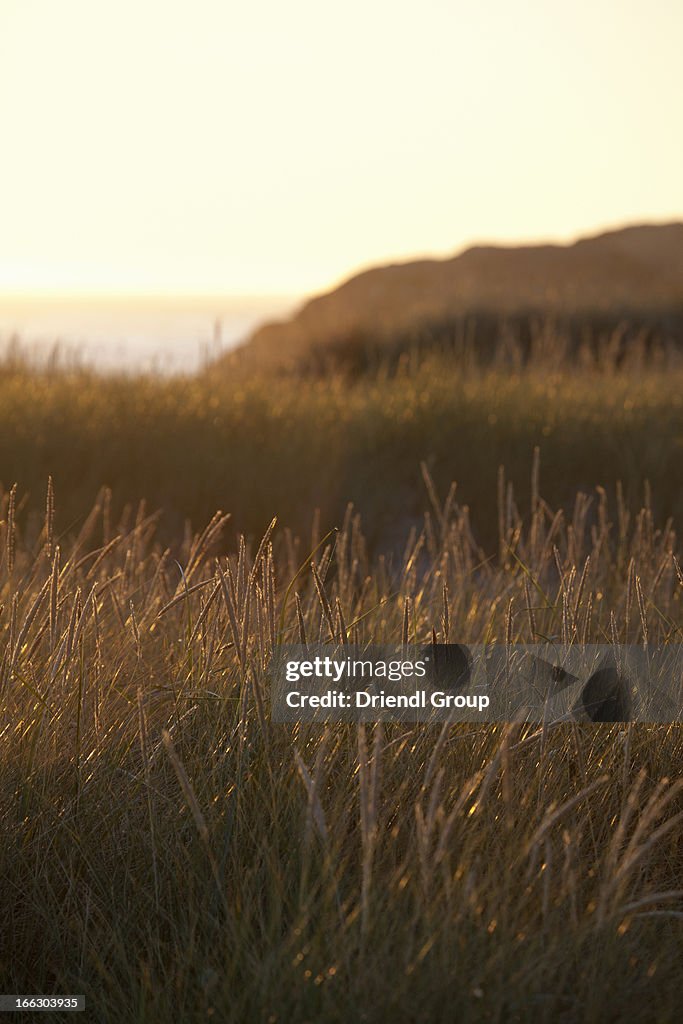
pixel 170 852
pixel 257 445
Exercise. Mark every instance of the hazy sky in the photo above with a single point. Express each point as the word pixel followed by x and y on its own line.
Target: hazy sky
pixel 277 145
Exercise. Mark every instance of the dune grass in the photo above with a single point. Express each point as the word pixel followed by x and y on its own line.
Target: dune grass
pixel 173 854
pixel 256 444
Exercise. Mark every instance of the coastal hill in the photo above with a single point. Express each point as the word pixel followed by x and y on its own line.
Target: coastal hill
pixel 633 274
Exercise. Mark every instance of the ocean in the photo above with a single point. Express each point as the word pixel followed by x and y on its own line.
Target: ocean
pixel 112 334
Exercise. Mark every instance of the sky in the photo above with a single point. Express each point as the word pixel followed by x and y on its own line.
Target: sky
pixel 264 146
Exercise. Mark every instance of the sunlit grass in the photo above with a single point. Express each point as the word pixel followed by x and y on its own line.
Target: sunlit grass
pixel 255 444
pixel 171 853
pixel 174 855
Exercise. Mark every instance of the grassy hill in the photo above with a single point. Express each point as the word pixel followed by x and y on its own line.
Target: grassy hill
pixel 633 275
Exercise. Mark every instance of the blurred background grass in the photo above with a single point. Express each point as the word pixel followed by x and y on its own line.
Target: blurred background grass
pixel 254 442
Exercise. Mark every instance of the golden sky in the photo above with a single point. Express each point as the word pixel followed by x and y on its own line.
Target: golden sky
pixel 277 145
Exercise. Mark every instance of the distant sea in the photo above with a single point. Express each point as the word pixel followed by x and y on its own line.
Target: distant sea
pixel 167 334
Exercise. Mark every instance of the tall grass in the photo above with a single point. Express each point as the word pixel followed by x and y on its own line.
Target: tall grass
pixel 257 444
pixel 173 854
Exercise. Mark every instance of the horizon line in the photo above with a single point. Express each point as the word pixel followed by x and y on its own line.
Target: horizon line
pixel 151 294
